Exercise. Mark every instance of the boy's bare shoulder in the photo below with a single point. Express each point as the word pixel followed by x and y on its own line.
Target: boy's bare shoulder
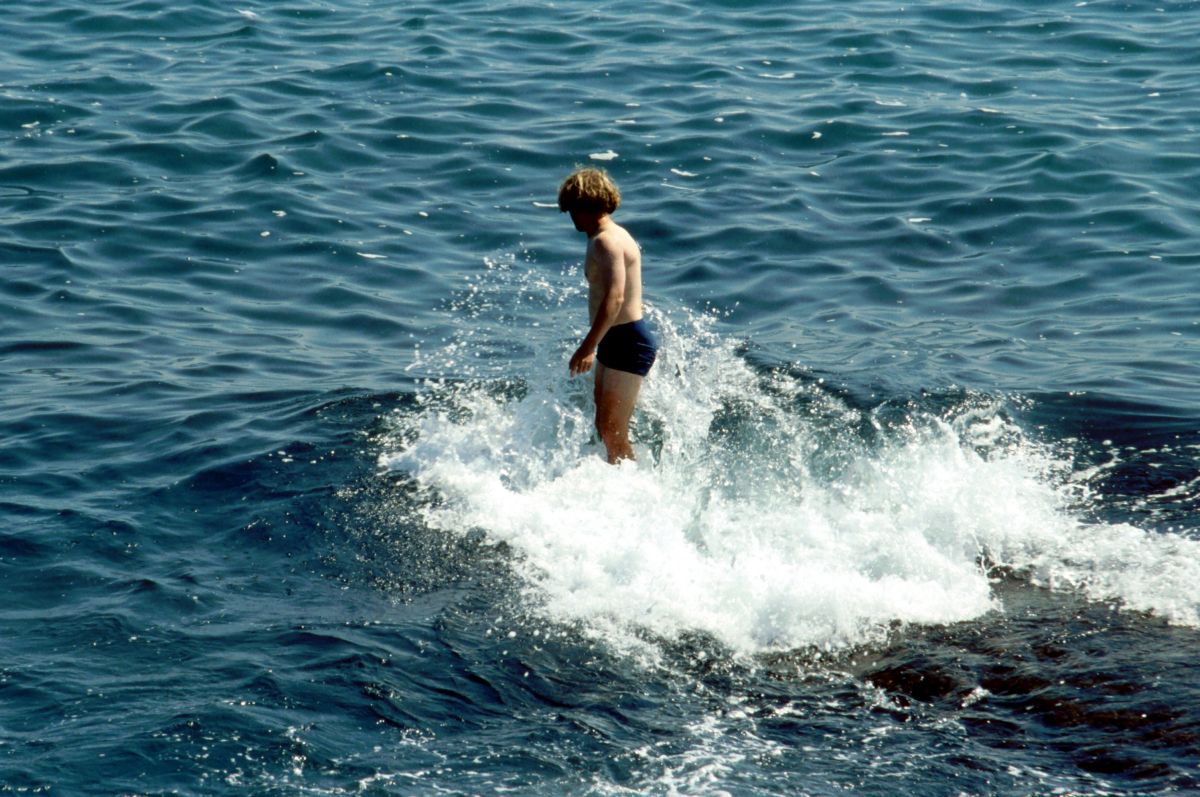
pixel 617 239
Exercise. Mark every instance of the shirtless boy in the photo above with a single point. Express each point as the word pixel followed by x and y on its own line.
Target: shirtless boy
pixel 618 336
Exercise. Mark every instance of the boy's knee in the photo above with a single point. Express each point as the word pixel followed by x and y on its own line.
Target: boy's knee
pixel 604 428
pixel 611 432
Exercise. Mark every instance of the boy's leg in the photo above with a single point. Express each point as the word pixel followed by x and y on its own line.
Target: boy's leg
pixel 597 390
pixel 616 395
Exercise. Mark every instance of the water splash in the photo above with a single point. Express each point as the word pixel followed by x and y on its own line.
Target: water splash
pixel 764 510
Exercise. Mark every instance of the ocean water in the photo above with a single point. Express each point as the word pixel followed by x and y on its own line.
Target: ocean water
pixel 297 498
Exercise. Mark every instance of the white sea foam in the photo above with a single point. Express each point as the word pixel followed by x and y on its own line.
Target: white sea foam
pixel 758 512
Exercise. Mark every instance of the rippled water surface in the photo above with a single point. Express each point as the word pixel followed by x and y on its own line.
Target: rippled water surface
pixel 297 498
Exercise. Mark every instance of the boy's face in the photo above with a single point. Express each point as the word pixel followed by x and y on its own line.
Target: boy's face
pixel 583 221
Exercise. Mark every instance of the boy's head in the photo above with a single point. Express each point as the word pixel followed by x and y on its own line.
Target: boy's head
pixel 589 190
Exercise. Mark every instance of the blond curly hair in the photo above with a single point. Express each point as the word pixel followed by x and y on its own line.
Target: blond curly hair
pixel 589 190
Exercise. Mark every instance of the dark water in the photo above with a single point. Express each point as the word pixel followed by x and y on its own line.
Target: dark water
pixel 296 497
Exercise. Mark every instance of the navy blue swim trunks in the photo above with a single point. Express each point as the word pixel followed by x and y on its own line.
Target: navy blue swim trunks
pixel 628 347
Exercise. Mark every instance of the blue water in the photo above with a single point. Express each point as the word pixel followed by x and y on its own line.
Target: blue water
pixel 296 496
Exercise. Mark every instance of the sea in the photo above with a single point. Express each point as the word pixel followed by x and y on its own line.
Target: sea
pixel 297 496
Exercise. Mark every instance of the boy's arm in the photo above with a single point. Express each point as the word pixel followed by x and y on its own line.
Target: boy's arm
pixel 610 282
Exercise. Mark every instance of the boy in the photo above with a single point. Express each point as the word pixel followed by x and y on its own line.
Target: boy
pixel 618 336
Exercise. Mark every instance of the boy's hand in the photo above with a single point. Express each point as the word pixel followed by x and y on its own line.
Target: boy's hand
pixel 581 361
